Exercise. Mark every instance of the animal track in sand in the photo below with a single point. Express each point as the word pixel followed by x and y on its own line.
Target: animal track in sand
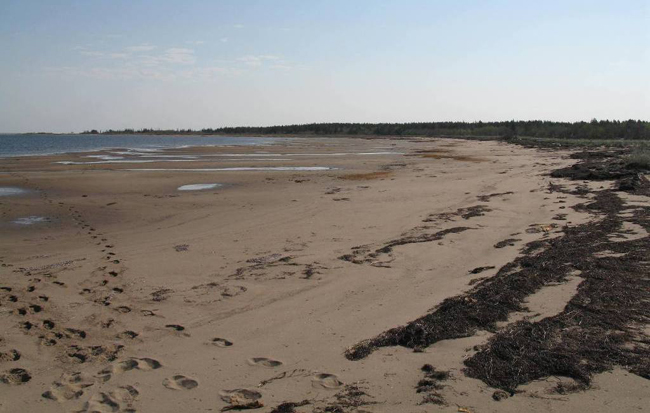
pixel 180 382
pixel 176 327
pixel 221 342
pixel 326 381
pixel 15 376
pixel 264 362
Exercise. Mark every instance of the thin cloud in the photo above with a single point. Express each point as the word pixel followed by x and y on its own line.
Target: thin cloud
pixel 257 60
pixel 104 55
pixel 140 48
pixel 145 61
pixel 281 67
pixel 92 53
pixel 179 55
pixel 143 73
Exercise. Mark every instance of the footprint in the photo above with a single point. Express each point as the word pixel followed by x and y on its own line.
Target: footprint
pixel 126 394
pixel 175 327
pixel 59 392
pixel 101 403
pixel 123 309
pixel 128 334
pixel 326 381
pixel 221 342
pixel 49 339
pixel 180 382
pixel 15 376
pixel 122 366
pixel 143 364
pixel 118 400
pixel 146 363
pixel 76 333
pixel 11 355
pixel 70 387
pixel 264 362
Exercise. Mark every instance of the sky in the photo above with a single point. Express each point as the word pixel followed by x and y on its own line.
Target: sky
pixel 69 66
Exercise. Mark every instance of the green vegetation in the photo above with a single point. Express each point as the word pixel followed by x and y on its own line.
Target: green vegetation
pixel 616 131
pixel 639 158
pixel 578 143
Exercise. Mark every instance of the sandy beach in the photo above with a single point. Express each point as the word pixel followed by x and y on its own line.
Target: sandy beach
pixel 122 293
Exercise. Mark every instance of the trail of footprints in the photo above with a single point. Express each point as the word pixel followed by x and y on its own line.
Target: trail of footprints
pixel 31 306
pixel 102 289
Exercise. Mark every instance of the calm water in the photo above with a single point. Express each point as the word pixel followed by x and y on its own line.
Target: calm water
pixel 28 144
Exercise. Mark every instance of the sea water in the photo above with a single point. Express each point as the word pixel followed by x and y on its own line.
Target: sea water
pixel 48 144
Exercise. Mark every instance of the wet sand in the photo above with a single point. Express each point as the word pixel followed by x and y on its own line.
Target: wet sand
pixel 131 294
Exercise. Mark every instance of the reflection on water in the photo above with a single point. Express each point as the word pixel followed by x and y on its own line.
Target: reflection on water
pixel 30 220
pixel 267 168
pixel 11 191
pixel 197 187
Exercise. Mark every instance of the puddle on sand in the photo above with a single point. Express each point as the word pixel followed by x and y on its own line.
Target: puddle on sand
pixel 278 168
pixel 198 187
pixel 11 191
pixel 30 220
pixel 122 161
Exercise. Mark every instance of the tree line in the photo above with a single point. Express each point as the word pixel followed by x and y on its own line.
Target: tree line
pixel 595 129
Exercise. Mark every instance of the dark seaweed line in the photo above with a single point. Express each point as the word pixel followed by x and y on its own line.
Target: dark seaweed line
pixel 601 326
pixel 357 256
pixel 591 335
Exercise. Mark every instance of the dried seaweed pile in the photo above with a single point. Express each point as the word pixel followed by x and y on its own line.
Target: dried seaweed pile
pixel 348 400
pixel 599 166
pixel 602 326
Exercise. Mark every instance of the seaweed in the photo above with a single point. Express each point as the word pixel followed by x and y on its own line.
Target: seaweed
pixel 601 326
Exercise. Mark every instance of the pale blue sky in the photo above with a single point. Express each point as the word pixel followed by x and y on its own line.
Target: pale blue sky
pixel 74 65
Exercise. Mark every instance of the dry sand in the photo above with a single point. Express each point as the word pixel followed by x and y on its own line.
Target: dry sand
pixel 132 295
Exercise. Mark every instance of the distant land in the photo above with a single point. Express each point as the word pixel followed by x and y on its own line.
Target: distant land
pixel 594 129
